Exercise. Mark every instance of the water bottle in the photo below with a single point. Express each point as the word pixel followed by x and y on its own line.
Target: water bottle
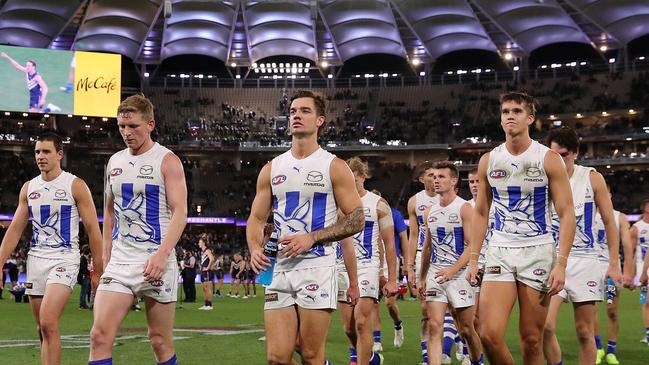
pixel 611 291
pixel 270 250
pixel 643 295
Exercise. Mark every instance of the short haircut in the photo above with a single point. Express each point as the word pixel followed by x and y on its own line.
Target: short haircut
pixel 522 98
pixel 32 62
pixel 565 137
pixel 473 171
pixel 52 137
pixel 644 204
pixel 422 167
pixel 318 100
pixel 358 166
pixel 137 103
pixel 448 165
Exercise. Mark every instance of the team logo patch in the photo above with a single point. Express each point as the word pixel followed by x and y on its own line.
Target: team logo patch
pixel 271 297
pixel 106 280
pixel 493 269
pixel 365 282
pixel 116 172
pixel 453 217
pixel 60 194
pixel 533 172
pixel 591 284
pixel 432 219
pixel 29 285
pixel 462 292
pixel 421 208
pixel 366 211
pixel 341 293
pixel 279 179
pixel 314 176
pixel 60 269
pixel 146 170
pixel 312 287
pixel 498 174
pixel 157 283
pixel 324 295
pixel 539 272
pixel 34 195
pixel 431 293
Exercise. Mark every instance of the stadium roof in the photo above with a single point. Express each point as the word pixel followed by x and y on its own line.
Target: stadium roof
pixel 244 32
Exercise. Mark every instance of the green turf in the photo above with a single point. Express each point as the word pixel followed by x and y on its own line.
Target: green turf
pixel 53 66
pixel 246 314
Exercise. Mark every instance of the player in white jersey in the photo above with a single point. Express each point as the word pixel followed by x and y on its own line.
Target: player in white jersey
pixel 378 231
pixel 304 188
pixel 417 204
pixel 640 241
pixel 145 212
pixel 442 278
pixel 583 286
pixel 520 177
pixel 55 200
pixel 613 327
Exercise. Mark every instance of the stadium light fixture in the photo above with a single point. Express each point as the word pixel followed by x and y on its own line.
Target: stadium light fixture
pixel 324 64
pixel 275 70
pixel 146 74
pixel 238 76
pixel 45 116
pixel 582 63
pixel 173 76
pixel 422 73
pixel 84 118
pixel 254 65
pixel 629 138
pixel 104 119
pixel 299 65
pixel 416 61
pixel 641 58
pixel 579 115
pixel 508 56
pixel 69 115
pixel 487 70
pixel 603 48
pixel 330 76
pixel 281 70
pixel 256 71
pixel 25 114
pixel 233 64
pixel 552 116
pixel 450 72
pixel 516 68
pixel 544 66
pixel 394 75
pixel 631 111
pixel 604 114
pixel 281 64
pixel 611 60
pixel 7 113
pixel 307 65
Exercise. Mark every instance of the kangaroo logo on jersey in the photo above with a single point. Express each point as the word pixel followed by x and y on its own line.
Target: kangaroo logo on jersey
pixel 498 174
pixel 48 232
pixel 116 172
pixel 34 196
pixel 131 222
pixel 279 179
pixel 295 223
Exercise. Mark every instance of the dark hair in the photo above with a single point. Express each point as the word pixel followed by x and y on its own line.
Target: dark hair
pixel 32 62
pixel 448 165
pixel 318 100
pixel 422 167
pixel 473 171
pixel 52 137
pixel 565 137
pixel 137 103
pixel 522 98
pixel 643 204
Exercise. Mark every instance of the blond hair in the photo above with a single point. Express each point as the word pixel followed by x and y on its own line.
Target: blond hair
pixel 137 103
pixel 358 166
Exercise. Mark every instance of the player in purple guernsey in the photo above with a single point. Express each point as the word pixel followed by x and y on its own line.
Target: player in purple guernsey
pixel 520 177
pixel 145 212
pixel 35 85
pixel 55 200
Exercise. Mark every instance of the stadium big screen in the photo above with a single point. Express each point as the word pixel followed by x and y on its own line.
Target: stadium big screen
pixel 59 82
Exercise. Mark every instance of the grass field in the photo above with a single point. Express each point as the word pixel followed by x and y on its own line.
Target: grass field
pixel 229 333
pixel 53 66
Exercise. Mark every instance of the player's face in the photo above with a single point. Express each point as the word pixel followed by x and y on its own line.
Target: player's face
pixel 135 130
pixel 514 118
pixel 443 181
pixel 428 179
pixel 359 179
pixel 304 117
pixel 201 244
pixel 46 156
pixel 567 156
pixel 29 67
pixel 473 184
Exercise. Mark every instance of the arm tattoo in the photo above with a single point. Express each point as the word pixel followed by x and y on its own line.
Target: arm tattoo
pixel 347 226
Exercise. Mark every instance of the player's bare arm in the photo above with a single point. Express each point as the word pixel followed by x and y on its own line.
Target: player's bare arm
pixel 17 65
pixel 88 215
pixel 426 254
pixel 349 257
pixel 348 202
pixel 627 248
pixel 17 226
pixel 411 252
pixel 605 207
pixel 176 190
pixel 561 195
pixel 386 229
pixel 259 212
pixel 479 219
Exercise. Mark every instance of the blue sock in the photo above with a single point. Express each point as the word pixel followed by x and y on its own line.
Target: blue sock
pixel 479 361
pixel 397 325
pixel 598 342
pixel 465 348
pixel 447 345
pixel 611 346
pixel 327 362
pixel 424 351
pixel 647 333
pixel 375 360
pixel 377 336
pixel 172 361
pixel 108 361
pixel 450 334
pixel 352 355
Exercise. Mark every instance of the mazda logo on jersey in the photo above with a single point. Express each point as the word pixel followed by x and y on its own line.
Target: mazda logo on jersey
pixel 314 176
pixel 146 170
pixel 498 174
pixel 453 217
pixel 367 211
pixel 533 172
pixel 116 172
pixel 312 287
pixel 34 195
pixel 60 194
pixel 279 179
